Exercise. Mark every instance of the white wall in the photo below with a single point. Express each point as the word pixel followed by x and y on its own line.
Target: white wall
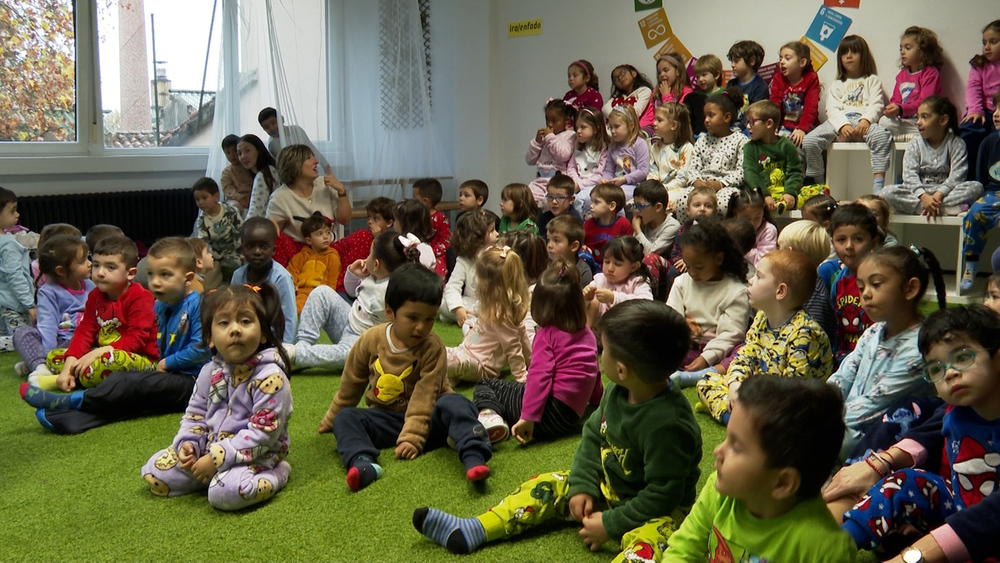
pixel 526 71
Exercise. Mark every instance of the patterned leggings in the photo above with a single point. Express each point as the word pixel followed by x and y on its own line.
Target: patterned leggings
pixel 714 394
pixel 982 217
pixel 116 360
pixel 11 320
pixel 545 497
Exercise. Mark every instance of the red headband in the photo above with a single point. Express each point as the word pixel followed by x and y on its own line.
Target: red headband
pixel 582 65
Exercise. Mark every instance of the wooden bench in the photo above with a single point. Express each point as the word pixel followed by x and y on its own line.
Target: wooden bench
pixel 838 168
pixel 358 205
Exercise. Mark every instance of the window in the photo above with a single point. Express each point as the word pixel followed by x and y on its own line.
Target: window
pixel 401 100
pixel 159 70
pixel 38 61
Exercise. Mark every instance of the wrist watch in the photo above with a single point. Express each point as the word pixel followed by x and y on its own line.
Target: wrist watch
pixel 912 555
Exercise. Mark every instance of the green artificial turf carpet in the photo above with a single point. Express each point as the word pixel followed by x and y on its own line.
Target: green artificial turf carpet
pixel 81 497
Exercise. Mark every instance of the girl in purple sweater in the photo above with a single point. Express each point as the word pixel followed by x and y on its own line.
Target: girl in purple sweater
pixel 564 376
pixel 628 155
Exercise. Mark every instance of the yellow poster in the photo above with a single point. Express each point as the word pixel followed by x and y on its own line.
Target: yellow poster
pixel 818 58
pixel 655 28
pixel 673 45
pixel 526 27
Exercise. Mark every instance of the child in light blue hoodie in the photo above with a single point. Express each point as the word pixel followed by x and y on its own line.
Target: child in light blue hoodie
pixel 17 293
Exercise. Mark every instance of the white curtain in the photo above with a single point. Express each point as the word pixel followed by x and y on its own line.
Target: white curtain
pixel 351 73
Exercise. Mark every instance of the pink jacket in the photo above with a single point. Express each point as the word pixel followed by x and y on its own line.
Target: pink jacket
pixel 635 287
pixel 563 366
pixel 915 86
pixel 553 153
pixel 767 240
pixel 983 83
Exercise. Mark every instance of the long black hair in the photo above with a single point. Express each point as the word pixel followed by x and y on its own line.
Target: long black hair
pixel 266 304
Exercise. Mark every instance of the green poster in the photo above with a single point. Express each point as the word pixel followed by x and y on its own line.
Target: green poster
pixel 643 5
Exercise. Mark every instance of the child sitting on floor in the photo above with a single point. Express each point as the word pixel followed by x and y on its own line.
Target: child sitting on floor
pixel 401 370
pixel 751 204
pixel 204 262
pixel 519 209
pixel 637 496
pixel 17 299
pixel 219 226
pixel 624 277
pixel 783 340
pixel 566 238
pixel 258 238
pixel 811 239
pixel 474 232
pixel 654 227
pixel 763 501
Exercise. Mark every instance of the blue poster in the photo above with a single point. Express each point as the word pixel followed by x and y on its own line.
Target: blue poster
pixel 828 28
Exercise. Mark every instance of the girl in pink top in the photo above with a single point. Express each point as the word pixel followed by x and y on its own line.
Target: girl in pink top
pixel 984 81
pixel 565 375
pixel 749 205
pixel 552 148
pixel 920 58
pixel 624 277
pixel 498 337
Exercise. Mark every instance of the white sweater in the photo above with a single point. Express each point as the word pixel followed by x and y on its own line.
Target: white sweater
pixel 863 96
pixel 720 308
pixel 460 291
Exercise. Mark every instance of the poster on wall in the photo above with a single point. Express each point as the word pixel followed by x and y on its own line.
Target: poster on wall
pixel 815 53
pixel 673 45
pixel 643 5
pixel 828 28
pixel 655 28
pixel 842 3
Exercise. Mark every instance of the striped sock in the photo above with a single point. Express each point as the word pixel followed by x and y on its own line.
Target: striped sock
pixel 459 535
pixel 41 399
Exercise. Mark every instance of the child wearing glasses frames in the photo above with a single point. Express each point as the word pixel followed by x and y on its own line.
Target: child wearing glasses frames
pixel 771 162
pixel 941 477
pixel 559 197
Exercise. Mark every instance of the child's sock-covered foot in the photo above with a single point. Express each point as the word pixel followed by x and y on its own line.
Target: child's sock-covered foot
pixel 41 399
pixel 969 275
pixel 363 472
pixel 459 535
pixel 878 184
pixel 477 473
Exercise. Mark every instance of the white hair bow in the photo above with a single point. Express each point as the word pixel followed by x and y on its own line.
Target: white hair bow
pixel 426 256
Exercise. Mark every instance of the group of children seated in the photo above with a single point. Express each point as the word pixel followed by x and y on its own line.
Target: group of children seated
pixel 627 270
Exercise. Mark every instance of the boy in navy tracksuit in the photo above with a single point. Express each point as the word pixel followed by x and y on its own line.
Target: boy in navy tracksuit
pixel 124 395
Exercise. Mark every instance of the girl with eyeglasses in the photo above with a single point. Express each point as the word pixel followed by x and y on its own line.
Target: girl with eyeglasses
pixel 629 87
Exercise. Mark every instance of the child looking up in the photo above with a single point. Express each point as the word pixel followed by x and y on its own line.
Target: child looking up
pixel 920 60
pixel 654 228
pixel 750 205
pixel 559 198
pixel 345 322
pixel 937 479
pixel 474 232
pixel 381 215
pixel 590 157
pixel 219 226
pixel 708 74
pixel 472 195
pixel 237 180
pixel 519 209
pixel 628 154
pixel 853 106
pixel 718 155
pixel 783 339
pixel 17 299
pixel 233 438
pixel 117 331
pixel 317 263
pixel 130 394
pixel 982 86
pixel 584 86
pixel 64 260
pixel 605 224
pixel 763 502
pixel 428 191
pixel 624 277
pixel 401 370
pixel 565 238
pixel 886 366
pixel 673 85
pixel 796 91
pixel 746 58
pixel 934 166
pixel 711 295
pixel 552 148
pixel 257 243
pixel 983 214
pixel 631 88
pixel 638 499
pixel 564 376
pixel 671 151
pixel 497 337
pixel 855 235
pixel 770 161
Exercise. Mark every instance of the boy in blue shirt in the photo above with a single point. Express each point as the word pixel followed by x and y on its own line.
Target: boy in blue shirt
pixel 746 57
pixel 123 395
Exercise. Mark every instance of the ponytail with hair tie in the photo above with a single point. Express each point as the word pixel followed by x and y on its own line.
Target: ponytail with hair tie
pixel 417 251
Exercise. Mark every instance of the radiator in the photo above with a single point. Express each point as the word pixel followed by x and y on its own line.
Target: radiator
pixel 142 215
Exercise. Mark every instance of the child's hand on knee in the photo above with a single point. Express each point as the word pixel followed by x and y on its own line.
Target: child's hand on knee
pixel 406 450
pixel 581 505
pixel 593 533
pixel 204 469
pixel 186 456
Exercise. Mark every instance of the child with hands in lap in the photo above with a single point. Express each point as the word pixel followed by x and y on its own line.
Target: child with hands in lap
pixel 635 472
pixel 552 148
pixel 625 277
pixel 401 370
pixel 590 158
pixel 920 60
pixel 233 439
pixel 718 155
pixel 628 153
pixel 671 150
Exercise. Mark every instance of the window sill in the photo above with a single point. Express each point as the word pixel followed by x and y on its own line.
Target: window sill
pixel 109 163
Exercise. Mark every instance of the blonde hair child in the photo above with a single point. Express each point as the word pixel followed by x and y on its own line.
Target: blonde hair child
pixel 673 85
pixel 498 337
pixel 811 239
pixel 590 157
pixel 564 377
pixel 883 212
pixel 671 151
pixel 628 155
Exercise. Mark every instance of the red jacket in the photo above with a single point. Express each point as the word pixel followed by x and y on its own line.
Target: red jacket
pixel 799 103
pixel 125 324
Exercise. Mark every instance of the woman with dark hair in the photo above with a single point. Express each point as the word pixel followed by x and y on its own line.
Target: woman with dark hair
pixel 254 157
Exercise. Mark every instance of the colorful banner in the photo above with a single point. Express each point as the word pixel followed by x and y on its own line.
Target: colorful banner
pixel 655 28
pixel 828 28
pixel 842 3
pixel 643 5
pixel 766 73
pixel 818 57
pixel 673 45
pixel 526 27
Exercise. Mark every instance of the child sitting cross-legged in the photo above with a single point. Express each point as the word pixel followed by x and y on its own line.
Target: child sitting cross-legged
pixel 566 237
pixel 258 238
pixel 783 340
pixel 317 263
pixel 118 319
pixel 564 376
pixel 939 479
pixel 129 394
pixel 497 338
pixel 763 502
pixel 401 370
pixel 635 472
pixel 606 201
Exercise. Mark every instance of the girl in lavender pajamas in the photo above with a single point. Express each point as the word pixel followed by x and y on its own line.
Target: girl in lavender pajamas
pixel 233 438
